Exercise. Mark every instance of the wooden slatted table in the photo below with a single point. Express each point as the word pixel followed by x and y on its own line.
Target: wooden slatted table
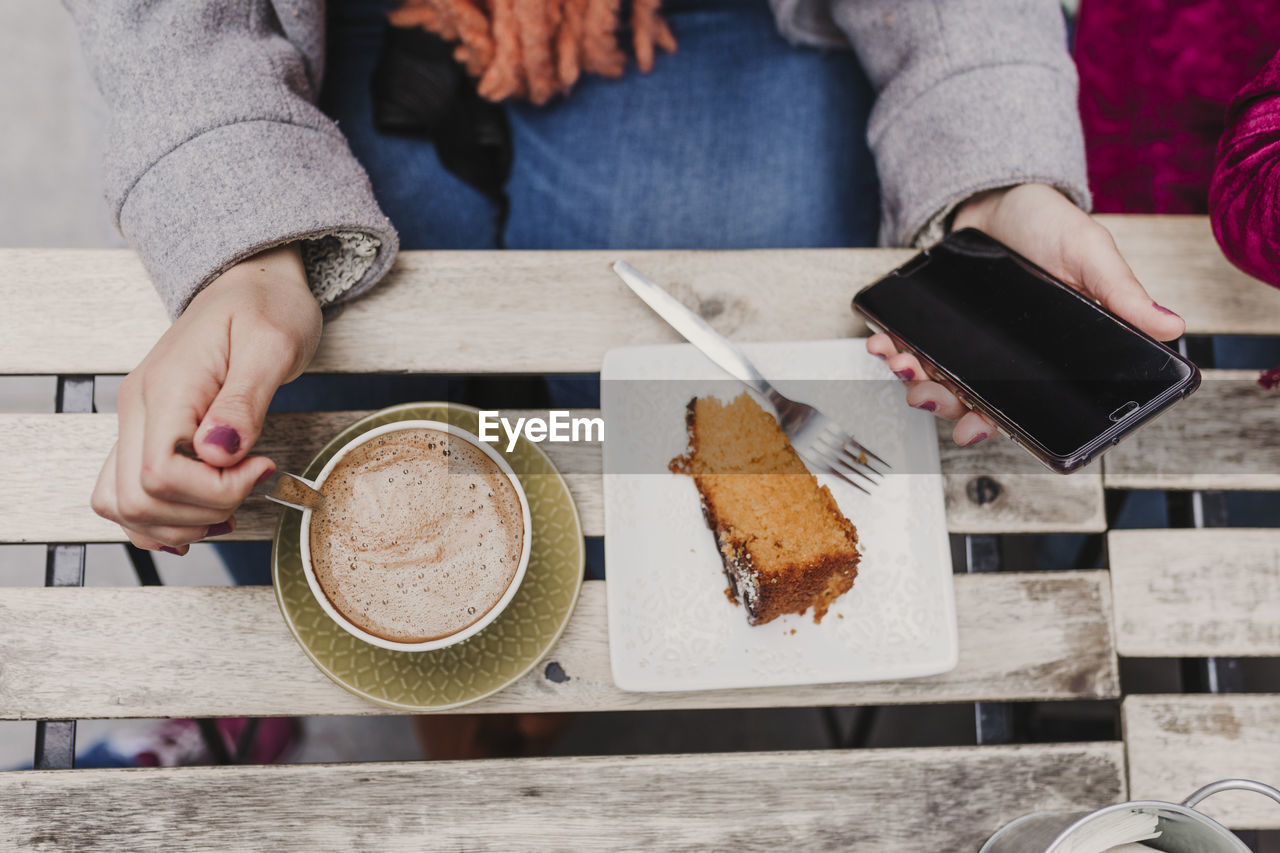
pixel 1025 635
pixel 1208 594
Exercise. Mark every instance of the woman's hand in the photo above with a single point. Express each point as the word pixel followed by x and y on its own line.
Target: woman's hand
pixel 207 383
pixel 1040 223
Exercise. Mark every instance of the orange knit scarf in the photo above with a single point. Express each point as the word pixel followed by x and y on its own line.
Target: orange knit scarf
pixel 536 49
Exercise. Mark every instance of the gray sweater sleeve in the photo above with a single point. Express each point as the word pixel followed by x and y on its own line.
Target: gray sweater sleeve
pixel 971 95
pixel 215 150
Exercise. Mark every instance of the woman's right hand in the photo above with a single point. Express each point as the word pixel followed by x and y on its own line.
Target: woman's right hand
pixel 207 383
pixel 1041 224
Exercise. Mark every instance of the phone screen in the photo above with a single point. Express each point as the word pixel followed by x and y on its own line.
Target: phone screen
pixel 1061 369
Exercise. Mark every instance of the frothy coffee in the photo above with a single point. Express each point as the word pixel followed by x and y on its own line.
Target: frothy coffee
pixel 420 535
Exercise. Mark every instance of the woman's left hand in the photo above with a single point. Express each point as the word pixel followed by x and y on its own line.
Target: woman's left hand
pixel 1042 224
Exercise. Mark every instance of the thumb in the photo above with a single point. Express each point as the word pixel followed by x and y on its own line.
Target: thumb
pixel 1106 276
pixel 234 419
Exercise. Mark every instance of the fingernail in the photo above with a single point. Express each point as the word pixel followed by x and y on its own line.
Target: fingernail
pixel 906 374
pixel 222 528
pixel 982 436
pixel 169 550
pixel 264 476
pixel 928 406
pixel 225 437
pixel 1163 310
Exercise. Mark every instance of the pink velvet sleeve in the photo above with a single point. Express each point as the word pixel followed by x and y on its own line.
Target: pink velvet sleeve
pixel 1244 198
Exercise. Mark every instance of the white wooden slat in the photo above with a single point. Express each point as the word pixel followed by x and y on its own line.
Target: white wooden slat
pixel 93 311
pixel 1176 744
pixel 861 801
pixel 79 311
pixel 225 651
pixel 1196 593
pixel 44 491
pixel 1224 436
pixel 1177 259
pixel 997 487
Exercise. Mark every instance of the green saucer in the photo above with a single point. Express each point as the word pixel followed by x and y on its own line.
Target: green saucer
pixel 474 668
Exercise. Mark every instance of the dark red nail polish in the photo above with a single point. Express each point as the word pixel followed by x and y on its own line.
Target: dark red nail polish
pixel 982 436
pixel 906 374
pixel 264 476
pixel 222 528
pixel 169 550
pixel 225 437
pixel 928 406
pixel 1163 310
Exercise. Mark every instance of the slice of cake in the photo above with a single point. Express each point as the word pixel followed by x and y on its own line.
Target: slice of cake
pixel 784 543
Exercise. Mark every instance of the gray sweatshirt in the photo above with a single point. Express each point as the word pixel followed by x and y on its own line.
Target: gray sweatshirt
pixel 216 150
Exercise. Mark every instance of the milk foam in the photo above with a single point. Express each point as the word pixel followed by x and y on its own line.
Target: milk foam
pixel 419 537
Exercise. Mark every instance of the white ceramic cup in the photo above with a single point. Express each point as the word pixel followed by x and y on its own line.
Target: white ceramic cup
pixel 475 627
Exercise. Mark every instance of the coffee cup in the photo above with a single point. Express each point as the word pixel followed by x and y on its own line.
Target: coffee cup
pixel 427 568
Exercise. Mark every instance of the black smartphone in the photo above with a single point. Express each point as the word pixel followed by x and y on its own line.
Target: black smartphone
pixel 1057 372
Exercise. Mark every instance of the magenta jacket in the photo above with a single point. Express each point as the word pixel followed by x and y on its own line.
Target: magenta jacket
pixel 1244 197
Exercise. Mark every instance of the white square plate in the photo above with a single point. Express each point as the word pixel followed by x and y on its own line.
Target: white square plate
pixel 670 625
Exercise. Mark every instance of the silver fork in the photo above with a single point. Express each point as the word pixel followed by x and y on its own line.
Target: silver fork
pixel 817 437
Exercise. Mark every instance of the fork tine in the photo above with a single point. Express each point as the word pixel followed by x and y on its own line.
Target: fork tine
pixel 850 445
pixel 831 458
pixel 831 469
pixel 865 459
pixel 843 469
pixel 823 464
pixel 858 447
pixel 851 461
pixel 863 462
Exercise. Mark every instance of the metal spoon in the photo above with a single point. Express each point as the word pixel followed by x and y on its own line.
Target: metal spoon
pixel 290 490
pixel 282 487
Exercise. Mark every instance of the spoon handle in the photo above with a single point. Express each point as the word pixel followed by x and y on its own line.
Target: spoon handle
pixel 289 490
pixel 282 487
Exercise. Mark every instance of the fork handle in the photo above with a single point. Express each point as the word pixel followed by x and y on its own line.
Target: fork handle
pixel 696 330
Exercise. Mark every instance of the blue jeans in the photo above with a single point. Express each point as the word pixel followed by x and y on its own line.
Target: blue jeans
pixel 736 141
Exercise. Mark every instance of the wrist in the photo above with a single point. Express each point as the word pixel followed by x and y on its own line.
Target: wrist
pixel 270 290
pixel 977 210
pixel 280 266
pixel 273 281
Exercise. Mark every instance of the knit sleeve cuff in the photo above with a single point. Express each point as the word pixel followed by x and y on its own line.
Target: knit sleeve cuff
pixel 239 189
pixel 986 128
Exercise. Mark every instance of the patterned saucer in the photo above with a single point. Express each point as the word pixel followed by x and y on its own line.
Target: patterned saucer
pixel 475 668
